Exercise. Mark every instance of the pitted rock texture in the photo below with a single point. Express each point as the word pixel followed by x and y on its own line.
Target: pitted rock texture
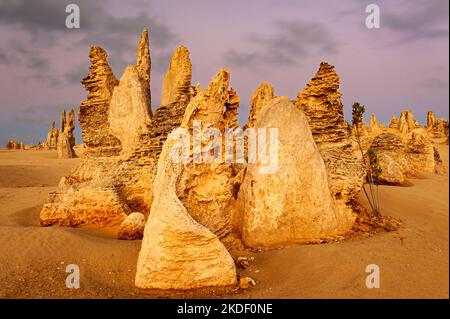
pixel 260 98
pixel 407 122
pixel 128 175
pixel 411 154
pixel 177 80
pixel 177 252
pixel 320 100
pixel 294 203
pixel 132 227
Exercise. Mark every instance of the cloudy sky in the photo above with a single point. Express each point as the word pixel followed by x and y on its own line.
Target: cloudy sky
pixel 403 64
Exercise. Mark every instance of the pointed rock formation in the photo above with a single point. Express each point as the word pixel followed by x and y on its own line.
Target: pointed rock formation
pixel 231 110
pixel 52 137
pixel 431 120
pixel 294 204
pixel 260 98
pixel 63 147
pixel 320 100
pixel 93 112
pixel 66 139
pixel 143 67
pixel 406 123
pixel 14 145
pixel 394 122
pixel 71 127
pixel 177 252
pixel 177 80
pixel 205 188
pixel 121 149
pixel 374 127
pixel 128 111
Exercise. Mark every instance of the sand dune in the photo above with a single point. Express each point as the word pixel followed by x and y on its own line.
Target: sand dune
pixel 414 261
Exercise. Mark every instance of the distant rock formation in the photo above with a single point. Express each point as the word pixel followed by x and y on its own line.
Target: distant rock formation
pixel 177 252
pixel 402 158
pixel 52 137
pixel 407 122
pixel 14 145
pixel 394 122
pixel 206 189
pixel 294 204
pixel 177 80
pixel 122 143
pixel 66 138
pixel 260 98
pixel 320 100
pixel 437 128
pixel 374 126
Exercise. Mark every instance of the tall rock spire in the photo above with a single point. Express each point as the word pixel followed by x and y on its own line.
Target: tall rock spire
pixel 93 112
pixel 62 124
pixel 143 66
pixel 260 98
pixel 177 80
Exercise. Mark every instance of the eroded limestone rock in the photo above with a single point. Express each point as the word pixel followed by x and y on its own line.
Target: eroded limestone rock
pixel 320 100
pixel 93 112
pixel 177 252
pixel 128 110
pixel 132 227
pixel 394 122
pixel 409 155
pixel 177 80
pixel 260 98
pixel 294 204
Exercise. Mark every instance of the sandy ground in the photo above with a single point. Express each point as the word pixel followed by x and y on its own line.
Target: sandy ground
pixel 413 261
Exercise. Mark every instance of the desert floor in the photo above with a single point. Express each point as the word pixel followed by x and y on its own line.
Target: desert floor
pixel 413 261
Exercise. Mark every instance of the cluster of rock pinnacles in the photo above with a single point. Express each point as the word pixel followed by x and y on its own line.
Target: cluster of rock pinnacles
pixel 196 214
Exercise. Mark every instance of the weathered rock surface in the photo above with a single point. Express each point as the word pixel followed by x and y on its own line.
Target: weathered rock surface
pixel 391 172
pixel 132 227
pixel 177 252
pixel 71 128
pixel 260 98
pixel 63 147
pixel 320 100
pixel 12 145
pixel 66 138
pixel 52 137
pixel 206 188
pixel 97 204
pixel 293 204
pixel 374 126
pixel 431 119
pixel 177 80
pixel 407 122
pixel 128 110
pixel 93 112
pixel 411 154
pixel 124 171
pixel 394 122
pixel 143 67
